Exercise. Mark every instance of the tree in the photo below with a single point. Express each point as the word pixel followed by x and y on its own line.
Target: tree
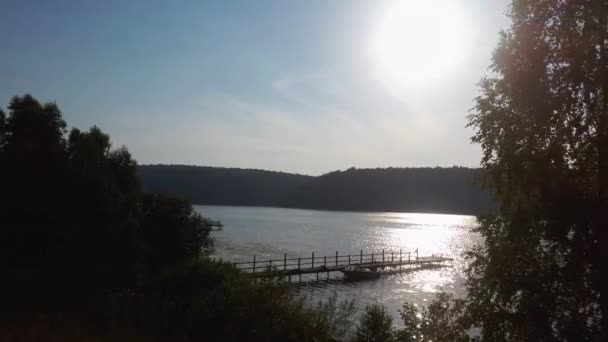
pixel 172 234
pixel 542 123
pixel 375 325
pixel 411 324
pixel 33 166
pixel 2 128
pixel 64 203
pixel 85 255
pixel 443 320
pixel 337 315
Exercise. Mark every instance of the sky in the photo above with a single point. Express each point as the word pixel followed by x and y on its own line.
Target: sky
pixel 297 86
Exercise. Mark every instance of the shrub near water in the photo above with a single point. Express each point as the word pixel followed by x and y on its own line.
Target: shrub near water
pixel 376 325
pixel 212 301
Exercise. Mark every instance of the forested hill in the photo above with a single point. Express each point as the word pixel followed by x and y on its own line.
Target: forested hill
pixel 221 186
pixel 440 190
pixel 436 190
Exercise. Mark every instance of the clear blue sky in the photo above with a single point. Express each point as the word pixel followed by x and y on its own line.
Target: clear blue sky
pixel 280 85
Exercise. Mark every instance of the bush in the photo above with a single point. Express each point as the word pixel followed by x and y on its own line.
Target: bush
pixel 210 301
pixel 376 325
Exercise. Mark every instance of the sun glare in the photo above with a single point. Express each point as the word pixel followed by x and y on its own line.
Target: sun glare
pixel 418 42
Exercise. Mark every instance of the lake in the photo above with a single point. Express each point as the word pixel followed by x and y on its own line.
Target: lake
pixel 271 232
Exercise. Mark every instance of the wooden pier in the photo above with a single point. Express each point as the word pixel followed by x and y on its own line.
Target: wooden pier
pixel 384 262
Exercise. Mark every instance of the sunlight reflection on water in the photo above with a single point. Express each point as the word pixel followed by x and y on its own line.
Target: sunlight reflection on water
pixel 271 232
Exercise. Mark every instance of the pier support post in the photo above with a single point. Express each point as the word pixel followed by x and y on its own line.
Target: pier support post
pixel 336 258
pixel 253 264
pixel 361 257
pixel 383 256
pixel 313 264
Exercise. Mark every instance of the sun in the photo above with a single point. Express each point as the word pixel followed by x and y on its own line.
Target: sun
pixel 419 42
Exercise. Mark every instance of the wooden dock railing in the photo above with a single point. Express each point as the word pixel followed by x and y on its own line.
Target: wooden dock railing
pixel 287 267
pixel 335 260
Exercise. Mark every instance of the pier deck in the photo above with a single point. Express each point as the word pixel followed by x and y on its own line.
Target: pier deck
pixel 385 262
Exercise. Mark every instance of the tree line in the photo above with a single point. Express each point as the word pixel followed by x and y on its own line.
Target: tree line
pixel 440 190
pixel 436 190
pixel 220 186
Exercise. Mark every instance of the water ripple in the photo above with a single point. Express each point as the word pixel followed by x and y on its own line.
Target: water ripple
pixel 273 232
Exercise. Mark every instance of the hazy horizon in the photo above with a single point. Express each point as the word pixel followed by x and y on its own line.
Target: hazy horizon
pixel 310 174
pixel 300 87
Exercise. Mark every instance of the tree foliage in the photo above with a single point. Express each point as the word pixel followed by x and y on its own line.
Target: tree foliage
pixel 336 315
pixel 85 255
pixel 542 122
pixel 174 234
pixel 70 229
pixel 444 319
pixel 375 325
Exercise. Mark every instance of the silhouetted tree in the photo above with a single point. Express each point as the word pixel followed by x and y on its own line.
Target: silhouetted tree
pixel 2 128
pixel 85 255
pixel 375 325
pixel 443 320
pixel 542 122
pixel 172 234
pixel 411 331
pixel 33 170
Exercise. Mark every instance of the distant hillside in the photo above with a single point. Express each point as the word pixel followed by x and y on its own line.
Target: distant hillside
pixel 437 190
pixel 221 186
pixel 440 190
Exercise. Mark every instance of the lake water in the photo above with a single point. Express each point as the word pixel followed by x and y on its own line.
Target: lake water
pixel 271 232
